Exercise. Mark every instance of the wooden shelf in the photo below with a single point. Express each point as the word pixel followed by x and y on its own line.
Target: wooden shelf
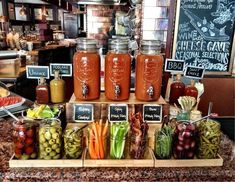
pixel 104 100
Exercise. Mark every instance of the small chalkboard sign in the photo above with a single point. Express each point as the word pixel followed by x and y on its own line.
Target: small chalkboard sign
pixel 65 69
pixel 152 113
pixel 194 72
pixel 174 65
pixel 83 112
pixel 35 72
pixel 118 112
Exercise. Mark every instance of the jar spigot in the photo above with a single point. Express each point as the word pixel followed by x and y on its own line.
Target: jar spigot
pixel 117 90
pixel 150 91
pixel 84 90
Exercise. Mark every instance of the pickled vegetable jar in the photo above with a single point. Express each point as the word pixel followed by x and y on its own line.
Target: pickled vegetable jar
pixel 185 145
pixel 50 139
pixel 24 138
pixel 97 147
pixel 42 92
pixel 73 138
pixel 177 90
pixel 149 71
pixel 163 142
pixel 138 146
pixel 57 88
pixel 209 139
pixel 191 90
pixel 86 69
pixel 117 70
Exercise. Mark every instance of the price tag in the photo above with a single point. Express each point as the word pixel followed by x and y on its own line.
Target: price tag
pixel 152 113
pixel 83 112
pixel 118 112
pixel 174 65
pixel 194 72
pixel 65 69
pixel 35 72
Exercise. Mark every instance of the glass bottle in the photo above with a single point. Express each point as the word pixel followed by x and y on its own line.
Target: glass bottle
pixel 177 90
pixel 42 92
pixel 191 90
pixel 117 70
pixel 86 68
pixel 149 71
pixel 57 87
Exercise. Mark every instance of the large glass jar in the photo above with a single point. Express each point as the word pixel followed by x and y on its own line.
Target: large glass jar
pixel 138 146
pixel 73 146
pixel 86 70
pixel 149 71
pixel 25 139
pixel 97 146
pixel 42 92
pixel 185 140
pixel 191 90
pixel 177 90
pixel 117 70
pixel 209 139
pixel 50 139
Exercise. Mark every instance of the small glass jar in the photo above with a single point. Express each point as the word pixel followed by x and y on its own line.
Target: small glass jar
pixel 73 146
pixel 138 146
pixel 195 115
pixel 25 139
pixel 117 70
pixel 50 139
pixel 177 90
pixel 97 147
pixel 209 139
pixel 191 90
pixel 117 147
pixel 42 92
pixel 185 144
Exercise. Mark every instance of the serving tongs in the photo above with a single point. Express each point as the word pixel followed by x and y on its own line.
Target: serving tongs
pixel 205 117
pixel 10 114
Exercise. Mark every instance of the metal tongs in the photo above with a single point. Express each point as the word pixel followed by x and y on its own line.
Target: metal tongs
pixel 205 117
pixel 8 112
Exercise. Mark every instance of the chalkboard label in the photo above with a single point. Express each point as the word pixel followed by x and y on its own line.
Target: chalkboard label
pixel 152 113
pixel 174 65
pixel 65 69
pixel 118 112
pixel 35 72
pixel 83 112
pixel 194 72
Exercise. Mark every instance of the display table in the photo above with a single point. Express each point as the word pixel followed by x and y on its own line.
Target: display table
pixel 224 173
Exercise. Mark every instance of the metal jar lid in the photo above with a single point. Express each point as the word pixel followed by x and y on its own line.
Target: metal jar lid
pixel 151 46
pixel 118 44
pixel 86 44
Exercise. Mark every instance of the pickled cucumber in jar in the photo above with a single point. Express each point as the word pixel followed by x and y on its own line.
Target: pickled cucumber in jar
pixel 209 139
pixel 73 142
pixel 50 139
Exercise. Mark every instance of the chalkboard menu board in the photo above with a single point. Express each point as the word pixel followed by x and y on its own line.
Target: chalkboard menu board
pixel 205 31
pixel 174 66
pixel 152 113
pixel 118 112
pixel 35 72
pixel 65 69
pixel 83 112
pixel 194 72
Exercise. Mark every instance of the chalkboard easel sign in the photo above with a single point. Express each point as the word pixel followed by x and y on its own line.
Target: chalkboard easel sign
pixel 205 35
pixel 35 72
pixel 194 72
pixel 152 113
pixel 65 69
pixel 83 112
pixel 174 66
pixel 118 112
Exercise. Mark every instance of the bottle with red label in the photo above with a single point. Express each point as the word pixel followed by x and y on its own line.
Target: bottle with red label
pixel 191 90
pixel 149 71
pixel 86 67
pixel 117 70
pixel 42 92
pixel 177 90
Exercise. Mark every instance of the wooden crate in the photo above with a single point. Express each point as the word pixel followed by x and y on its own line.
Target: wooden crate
pixel 187 162
pixel 148 161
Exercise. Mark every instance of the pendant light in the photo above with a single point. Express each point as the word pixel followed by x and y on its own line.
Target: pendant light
pixel 23 11
pixel 45 11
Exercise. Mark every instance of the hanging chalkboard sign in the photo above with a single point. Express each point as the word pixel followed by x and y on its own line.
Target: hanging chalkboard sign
pixel 152 113
pixel 83 112
pixel 35 72
pixel 65 69
pixel 194 72
pixel 204 34
pixel 174 65
pixel 118 112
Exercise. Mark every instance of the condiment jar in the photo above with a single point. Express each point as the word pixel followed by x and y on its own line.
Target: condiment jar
pixel 57 88
pixel 117 70
pixel 177 90
pixel 50 139
pixel 195 115
pixel 185 140
pixel 42 92
pixel 191 90
pixel 86 68
pixel 25 139
pixel 73 146
pixel 149 71
pixel 209 139
pixel 138 146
